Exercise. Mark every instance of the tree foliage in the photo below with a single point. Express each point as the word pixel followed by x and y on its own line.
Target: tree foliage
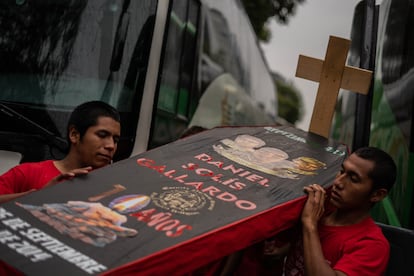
pixel 260 11
pixel 290 103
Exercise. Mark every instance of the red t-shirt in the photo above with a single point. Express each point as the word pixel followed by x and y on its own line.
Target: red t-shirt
pixel 359 249
pixel 27 176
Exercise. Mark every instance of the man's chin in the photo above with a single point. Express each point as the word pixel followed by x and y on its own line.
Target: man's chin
pixel 334 202
pixel 100 164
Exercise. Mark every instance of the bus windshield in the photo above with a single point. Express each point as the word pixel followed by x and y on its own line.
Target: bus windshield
pixel 58 54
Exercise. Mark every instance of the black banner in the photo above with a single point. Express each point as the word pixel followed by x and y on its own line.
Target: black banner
pixel 173 208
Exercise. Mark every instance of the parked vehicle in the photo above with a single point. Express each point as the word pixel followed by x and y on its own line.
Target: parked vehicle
pixel 165 65
pixel 386 117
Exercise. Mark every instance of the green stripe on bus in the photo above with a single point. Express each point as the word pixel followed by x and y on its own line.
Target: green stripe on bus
pixel 389 210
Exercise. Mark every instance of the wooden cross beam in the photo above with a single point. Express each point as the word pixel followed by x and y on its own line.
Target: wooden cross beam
pixel 332 74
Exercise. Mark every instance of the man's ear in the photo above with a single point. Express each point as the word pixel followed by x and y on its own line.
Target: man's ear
pixel 74 135
pixel 378 195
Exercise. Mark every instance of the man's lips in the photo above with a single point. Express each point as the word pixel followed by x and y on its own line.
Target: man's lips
pixel 105 156
pixel 335 195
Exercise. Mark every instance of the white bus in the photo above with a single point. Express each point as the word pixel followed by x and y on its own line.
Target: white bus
pixel 165 65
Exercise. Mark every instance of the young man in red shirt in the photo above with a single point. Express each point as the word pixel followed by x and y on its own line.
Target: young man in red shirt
pixel 93 133
pixel 345 240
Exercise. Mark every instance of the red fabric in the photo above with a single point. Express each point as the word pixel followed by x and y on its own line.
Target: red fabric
pixel 255 262
pixel 207 251
pixel 5 269
pixel 27 176
pixel 359 249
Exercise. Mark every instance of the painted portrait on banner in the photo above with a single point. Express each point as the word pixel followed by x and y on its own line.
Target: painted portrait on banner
pixel 252 152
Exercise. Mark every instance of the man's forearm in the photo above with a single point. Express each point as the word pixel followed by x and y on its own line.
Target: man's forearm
pixel 9 197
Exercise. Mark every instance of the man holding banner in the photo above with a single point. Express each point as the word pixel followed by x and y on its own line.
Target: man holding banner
pixel 93 133
pixel 345 241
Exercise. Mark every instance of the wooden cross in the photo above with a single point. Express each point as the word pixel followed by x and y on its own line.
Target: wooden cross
pixel 332 74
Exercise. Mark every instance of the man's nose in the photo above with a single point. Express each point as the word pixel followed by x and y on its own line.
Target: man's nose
pixel 340 180
pixel 110 143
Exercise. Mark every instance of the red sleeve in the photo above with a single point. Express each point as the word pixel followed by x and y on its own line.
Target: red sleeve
pixel 27 176
pixel 365 257
pixel 12 181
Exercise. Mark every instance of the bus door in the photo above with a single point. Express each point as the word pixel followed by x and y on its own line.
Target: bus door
pixel 177 93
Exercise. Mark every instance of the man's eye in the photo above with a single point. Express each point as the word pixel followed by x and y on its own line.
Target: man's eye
pixel 116 140
pixel 102 134
pixel 354 179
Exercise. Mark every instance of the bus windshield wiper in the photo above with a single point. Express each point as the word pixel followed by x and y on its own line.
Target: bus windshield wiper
pixel 50 137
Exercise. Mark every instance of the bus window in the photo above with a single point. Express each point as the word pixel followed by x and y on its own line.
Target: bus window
pixel 236 87
pixel 392 117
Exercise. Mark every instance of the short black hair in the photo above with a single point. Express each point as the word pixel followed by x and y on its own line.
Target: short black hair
pixel 86 115
pixel 384 173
